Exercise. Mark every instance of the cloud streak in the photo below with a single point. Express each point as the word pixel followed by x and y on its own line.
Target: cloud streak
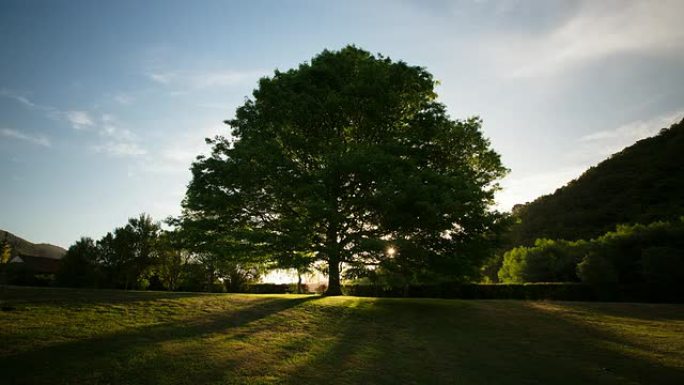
pixel 205 79
pixel 120 149
pixel 117 141
pixel 79 120
pixel 591 149
pixel 177 154
pixel 123 99
pixel 597 30
pixel 49 111
pixel 603 143
pixel 40 140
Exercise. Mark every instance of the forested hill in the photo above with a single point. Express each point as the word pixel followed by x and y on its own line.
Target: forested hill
pixel 640 184
pixel 22 246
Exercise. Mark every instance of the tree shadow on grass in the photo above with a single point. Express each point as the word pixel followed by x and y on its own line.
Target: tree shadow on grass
pixel 353 341
pixel 21 296
pixel 639 336
pixel 642 311
pixel 492 343
pixel 124 352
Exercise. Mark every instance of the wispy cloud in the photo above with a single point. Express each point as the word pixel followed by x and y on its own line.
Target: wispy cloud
pixel 120 149
pixel 118 133
pixel 123 98
pixel 116 140
pixel 79 119
pixel 590 150
pixel 19 98
pixel 49 111
pixel 177 154
pixel 40 140
pixel 205 79
pixel 161 77
pixel 224 78
pixel 603 143
pixel 597 30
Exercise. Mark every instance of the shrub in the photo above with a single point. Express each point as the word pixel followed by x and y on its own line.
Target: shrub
pixel 559 291
pixel 597 270
pixel 547 261
pixel 270 288
pixel 532 291
pixel 663 267
pixel 619 256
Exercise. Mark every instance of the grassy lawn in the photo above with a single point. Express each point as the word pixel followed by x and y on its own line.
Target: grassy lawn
pixel 58 336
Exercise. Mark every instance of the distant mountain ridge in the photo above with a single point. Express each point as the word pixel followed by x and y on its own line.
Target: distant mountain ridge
pixel 640 184
pixel 22 246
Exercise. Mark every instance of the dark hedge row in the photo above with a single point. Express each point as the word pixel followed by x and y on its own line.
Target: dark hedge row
pixel 530 291
pixel 269 288
pixel 557 291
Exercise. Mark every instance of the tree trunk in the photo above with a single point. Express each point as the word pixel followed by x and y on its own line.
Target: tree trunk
pixel 331 239
pixel 210 282
pixel 299 282
pixel 334 287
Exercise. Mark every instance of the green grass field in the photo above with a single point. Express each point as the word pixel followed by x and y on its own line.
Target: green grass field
pixel 60 336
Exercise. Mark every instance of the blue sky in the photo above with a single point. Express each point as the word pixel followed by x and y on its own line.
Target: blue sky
pixel 104 104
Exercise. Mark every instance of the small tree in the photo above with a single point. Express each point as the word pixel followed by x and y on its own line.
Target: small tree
pixel 111 259
pixel 130 251
pixel 144 234
pixel 79 266
pixel 5 252
pixel 596 270
pixel 236 276
pixel 301 263
pixel 171 260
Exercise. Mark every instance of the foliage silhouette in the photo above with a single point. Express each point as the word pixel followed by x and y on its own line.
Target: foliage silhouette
pixel 340 159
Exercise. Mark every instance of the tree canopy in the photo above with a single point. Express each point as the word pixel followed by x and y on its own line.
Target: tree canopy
pixel 340 159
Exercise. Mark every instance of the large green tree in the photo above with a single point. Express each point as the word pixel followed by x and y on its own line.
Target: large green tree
pixel 343 158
